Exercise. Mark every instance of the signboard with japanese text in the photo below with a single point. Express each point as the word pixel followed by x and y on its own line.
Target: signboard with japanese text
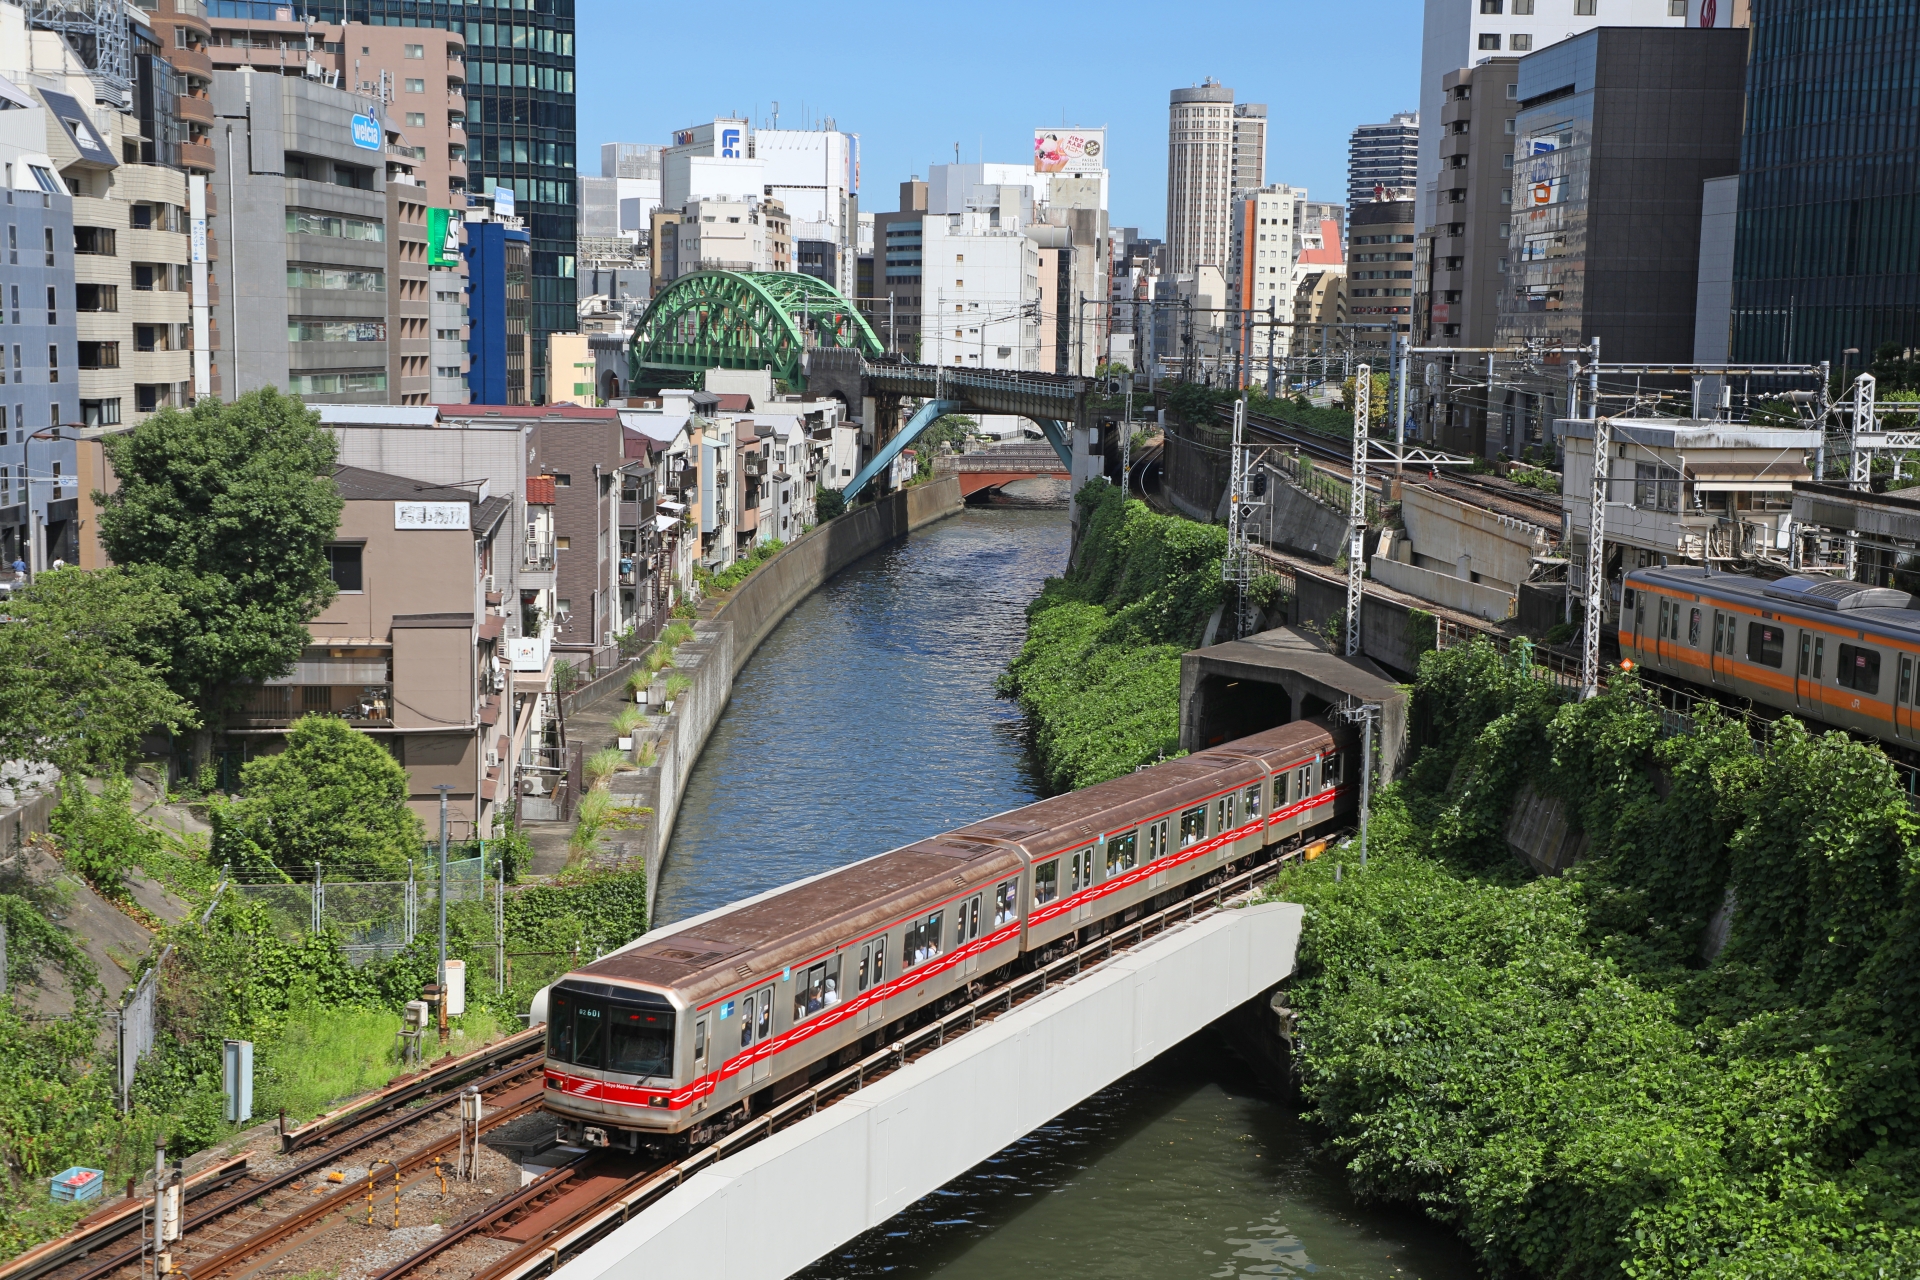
pixel 1065 150
pixel 430 515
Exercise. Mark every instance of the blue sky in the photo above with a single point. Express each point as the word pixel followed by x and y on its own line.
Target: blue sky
pixel 914 78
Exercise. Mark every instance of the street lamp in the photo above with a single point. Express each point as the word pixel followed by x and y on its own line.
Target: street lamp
pixel 1846 362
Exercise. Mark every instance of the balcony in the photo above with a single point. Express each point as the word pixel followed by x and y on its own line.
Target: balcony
pixel 538 552
pixel 194 60
pixel 275 706
pixel 195 106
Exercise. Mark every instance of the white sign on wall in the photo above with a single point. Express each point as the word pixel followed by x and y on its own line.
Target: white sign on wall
pixel 430 515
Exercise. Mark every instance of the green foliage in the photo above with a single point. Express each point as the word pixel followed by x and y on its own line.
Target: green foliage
pixel 646 754
pixel 1548 1065
pixel 1535 478
pixel 677 685
pixel 676 634
pixel 601 764
pixel 99 836
pixel 1099 673
pixel 566 676
pixel 510 844
pixel 234 504
pixel 686 609
pixel 736 573
pixel 85 657
pixel 334 796
pixel 627 719
pixel 1379 401
pixel 829 503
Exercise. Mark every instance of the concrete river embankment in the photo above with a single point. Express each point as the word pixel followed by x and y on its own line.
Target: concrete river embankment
pixel 866 719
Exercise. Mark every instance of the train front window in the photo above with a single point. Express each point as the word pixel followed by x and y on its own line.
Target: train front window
pixel 1121 853
pixel 589 1030
pixel 639 1041
pixel 1193 825
pixel 1858 668
pixel 1767 644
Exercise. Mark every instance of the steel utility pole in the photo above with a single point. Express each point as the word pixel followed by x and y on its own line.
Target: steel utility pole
pixel 1596 529
pixel 443 788
pixel 1235 567
pixel 1366 715
pixel 1357 506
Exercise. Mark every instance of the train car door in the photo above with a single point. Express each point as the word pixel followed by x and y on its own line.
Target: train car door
pixel 873 973
pixel 1803 685
pixel 762 1012
pixel 966 929
pixel 1724 626
pixel 1903 692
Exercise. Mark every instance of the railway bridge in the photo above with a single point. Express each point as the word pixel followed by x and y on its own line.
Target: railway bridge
pixel 813 338
pixel 1001 464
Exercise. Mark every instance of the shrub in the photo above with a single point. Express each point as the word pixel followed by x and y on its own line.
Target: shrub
pixel 677 685
pixel 565 676
pixel 627 719
pixel 646 754
pixel 637 680
pixel 601 764
pixel 828 503
pixel 676 634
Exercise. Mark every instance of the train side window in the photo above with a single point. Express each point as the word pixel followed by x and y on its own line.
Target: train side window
pixel 1046 882
pixel 923 940
pixel 700 1043
pixel 818 988
pixel 866 966
pixel 1693 629
pixel 1858 668
pixel 1157 839
pixel 1638 599
pixel 1280 791
pixel 1767 643
pixel 972 921
pixel 1630 599
pixel 1664 612
pixel 746 1020
pixel 1819 655
pixel 560 1029
pixel 1121 851
pixel 1006 902
pixel 1806 651
pixel 1906 678
pixel 1330 771
pixel 1250 801
pixel 1193 825
pixel 1719 625
pixel 766 1013
pixel 1303 780
pixel 880 960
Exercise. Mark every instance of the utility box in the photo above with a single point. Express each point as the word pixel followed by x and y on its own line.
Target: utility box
pixel 456 988
pixel 419 1013
pixel 239 1081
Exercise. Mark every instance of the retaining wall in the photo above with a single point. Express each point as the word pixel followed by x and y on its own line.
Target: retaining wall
pixel 727 633
pixel 803 1192
pixel 1389 632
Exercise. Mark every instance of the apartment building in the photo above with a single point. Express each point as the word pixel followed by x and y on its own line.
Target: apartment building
pixel 1379 285
pixel 981 269
pixel 1383 160
pixel 38 348
pixel 1216 148
pixel 722 234
pixel 498 256
pixel 1268 237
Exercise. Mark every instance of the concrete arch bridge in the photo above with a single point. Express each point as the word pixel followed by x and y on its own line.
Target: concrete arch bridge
pixel 813 338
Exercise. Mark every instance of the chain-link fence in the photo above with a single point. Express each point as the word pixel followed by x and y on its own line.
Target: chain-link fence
pixel 373 919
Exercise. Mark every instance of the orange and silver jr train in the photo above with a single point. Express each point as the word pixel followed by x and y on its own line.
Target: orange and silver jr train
pixel 680 1035
pixel 1839 652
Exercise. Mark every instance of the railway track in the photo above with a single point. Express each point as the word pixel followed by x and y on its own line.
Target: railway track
pixel 260 1209
pixel 567 1210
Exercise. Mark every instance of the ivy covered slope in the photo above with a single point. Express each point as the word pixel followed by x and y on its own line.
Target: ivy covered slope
pixel 1552 1065
pixel 1099 674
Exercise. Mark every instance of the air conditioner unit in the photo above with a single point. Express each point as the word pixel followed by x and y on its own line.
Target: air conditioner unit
pixel 493 759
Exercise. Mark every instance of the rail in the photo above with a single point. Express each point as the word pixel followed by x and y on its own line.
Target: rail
pixel 575 1231
pixel 438 1076
pixel 100 1229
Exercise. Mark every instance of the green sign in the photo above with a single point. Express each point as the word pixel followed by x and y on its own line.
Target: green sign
pixel 443 238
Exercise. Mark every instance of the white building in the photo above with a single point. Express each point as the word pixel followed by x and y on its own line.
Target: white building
pixel 815 173
pixel 1461 33
pixel 710 160
pixel 980 287
pixel 1269 234
pixel 635 170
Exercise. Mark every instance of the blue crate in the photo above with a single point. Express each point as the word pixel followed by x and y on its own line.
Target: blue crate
pixel 78 1184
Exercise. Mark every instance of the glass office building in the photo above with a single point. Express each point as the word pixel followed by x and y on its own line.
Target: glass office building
pixel 520 123
pixel 1828 249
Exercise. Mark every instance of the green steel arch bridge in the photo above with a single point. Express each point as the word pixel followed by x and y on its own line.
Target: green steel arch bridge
pixel 810 336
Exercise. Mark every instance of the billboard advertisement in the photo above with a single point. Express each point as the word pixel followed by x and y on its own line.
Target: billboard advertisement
pixel 1061 150
pixel 443 238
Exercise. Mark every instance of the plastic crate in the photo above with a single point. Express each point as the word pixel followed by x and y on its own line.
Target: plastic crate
pixel 78 1184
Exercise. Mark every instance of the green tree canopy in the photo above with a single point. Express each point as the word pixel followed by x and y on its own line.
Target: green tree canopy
pixel 84 662
pixel 236 504
pixel 333 797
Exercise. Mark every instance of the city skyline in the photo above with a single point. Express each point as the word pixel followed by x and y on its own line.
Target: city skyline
pixel 906 124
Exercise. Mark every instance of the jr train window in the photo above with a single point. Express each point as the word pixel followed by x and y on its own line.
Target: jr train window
pixel 1046 882
pixel 1006 902
pixel 1767 644
pixel 1250 800
pixel 816 989
pixel 1666 615
pixel 1193 826
pixel 1858 668
pixel 639 1041
pixel 1121 852
pixel 1693 629
pixel 923 940
pixel 1280 791
pixel 1906 679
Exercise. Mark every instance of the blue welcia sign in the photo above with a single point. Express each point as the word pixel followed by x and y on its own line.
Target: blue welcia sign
pixel 366 133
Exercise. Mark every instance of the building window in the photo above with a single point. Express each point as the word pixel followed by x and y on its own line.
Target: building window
pixel 53 305
pixel 94 240
pixel 415 51
pixel 100 413
pixel 53 360
pixel 49 242
pixel 1676 8
pixel 1491 41
pixel 1522 8
pixel 1585 8
pixel 420 86
pixel 343 566
pixel 1519 42
pixel 446 371
pixel 416 119
pixel 563 543
pixel 562 480
pixel 96 297
pixel 95 355
pixel 1489 6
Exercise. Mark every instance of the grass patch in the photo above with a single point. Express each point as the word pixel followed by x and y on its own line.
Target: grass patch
pixel 601 764
pixel 627 719
pixel 677 685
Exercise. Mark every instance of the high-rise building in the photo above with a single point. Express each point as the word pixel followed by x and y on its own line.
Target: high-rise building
pixel 1460 33
pixel 1383 160
pixel 1379 276
pixel 497 252
pixel 518 106
pixel 1464 250
pixel 1215 149
pixel 1268 236
pixel 815 174
pixel 894 310
pixel 1826 250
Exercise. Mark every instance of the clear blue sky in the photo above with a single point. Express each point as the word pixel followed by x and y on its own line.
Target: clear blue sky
pixel 912 79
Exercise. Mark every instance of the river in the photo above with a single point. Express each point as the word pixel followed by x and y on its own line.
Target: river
pixel 867 720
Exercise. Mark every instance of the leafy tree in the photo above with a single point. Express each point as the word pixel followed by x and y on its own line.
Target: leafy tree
pixel 86 677
pixel 1379 400
pixel 334 796
pixel 829 503
pixel 235 504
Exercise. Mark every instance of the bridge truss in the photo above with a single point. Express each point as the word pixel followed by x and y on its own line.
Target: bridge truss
pixel 743 320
